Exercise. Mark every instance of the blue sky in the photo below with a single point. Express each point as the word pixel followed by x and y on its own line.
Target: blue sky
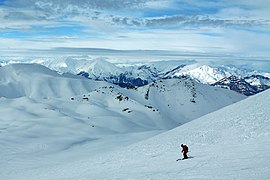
pixel 237 27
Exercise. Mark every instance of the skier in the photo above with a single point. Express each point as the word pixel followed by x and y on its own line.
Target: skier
pixel 184 151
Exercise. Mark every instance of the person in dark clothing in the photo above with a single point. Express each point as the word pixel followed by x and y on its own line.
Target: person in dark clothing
pixel 184 150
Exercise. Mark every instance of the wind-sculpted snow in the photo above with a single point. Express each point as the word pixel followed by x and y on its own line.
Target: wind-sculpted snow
pixel 49 120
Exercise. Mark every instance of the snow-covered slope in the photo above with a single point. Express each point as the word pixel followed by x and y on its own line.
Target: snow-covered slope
pixel 36 81
pixel 170 99
pixel 232 143
pixel 97 68
pixel 202 73
pixel 184 99
pixel 247 86
pixel 258 80
pixel 225 76
pixel 49 118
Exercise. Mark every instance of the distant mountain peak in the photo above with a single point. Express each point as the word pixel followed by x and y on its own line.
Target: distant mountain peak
pixel 203 73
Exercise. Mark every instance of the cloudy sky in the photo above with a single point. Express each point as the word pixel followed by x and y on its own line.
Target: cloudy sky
pixel 237 27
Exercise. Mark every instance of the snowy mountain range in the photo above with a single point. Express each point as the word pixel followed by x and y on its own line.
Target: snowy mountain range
pixel 157 98
pixel 247 86
pixel 64 126
pixel 44 113
pixel 140 74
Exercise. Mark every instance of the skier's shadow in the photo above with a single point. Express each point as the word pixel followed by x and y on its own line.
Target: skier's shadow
pixel 189 157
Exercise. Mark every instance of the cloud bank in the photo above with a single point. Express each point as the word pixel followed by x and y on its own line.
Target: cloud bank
pixel 198 25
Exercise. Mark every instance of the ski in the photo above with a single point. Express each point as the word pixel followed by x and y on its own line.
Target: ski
pixel 182 159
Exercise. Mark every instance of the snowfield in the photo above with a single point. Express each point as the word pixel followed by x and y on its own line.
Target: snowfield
pixel 232 143
pixel 56 126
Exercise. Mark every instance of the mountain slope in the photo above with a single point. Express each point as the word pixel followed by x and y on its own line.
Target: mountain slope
pixel 202 73
pixel 258 80
pixel 182 100
pixel 240 85
pixel 49 119
pixel 171 102
pixel 232 143
pixel 36 81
